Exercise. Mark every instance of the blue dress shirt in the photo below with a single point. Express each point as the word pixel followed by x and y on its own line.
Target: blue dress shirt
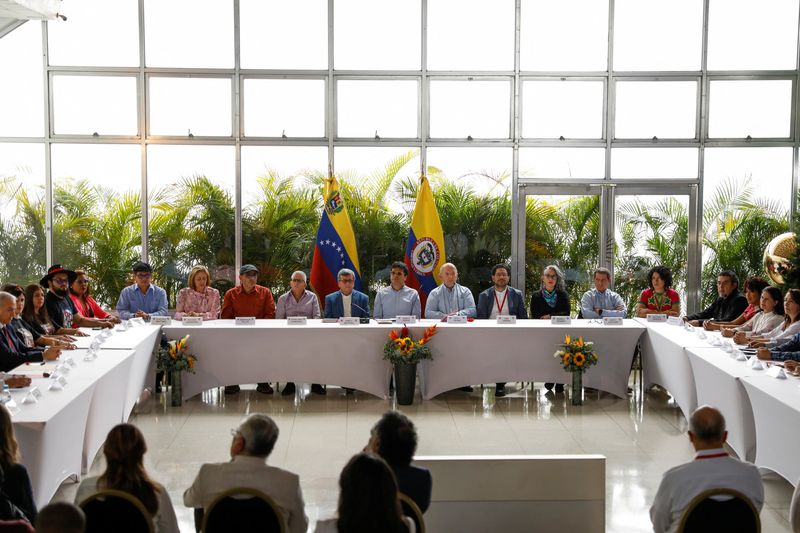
pixel 608 300
pixel 390 303
pixel 456 301
pixel 131 300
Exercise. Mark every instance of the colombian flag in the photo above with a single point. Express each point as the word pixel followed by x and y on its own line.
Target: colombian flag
pixel 335 247
pixel 425 247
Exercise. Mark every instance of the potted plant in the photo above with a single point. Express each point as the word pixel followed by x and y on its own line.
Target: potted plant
pixel 576 356
pixel 174 357
pixel 404 353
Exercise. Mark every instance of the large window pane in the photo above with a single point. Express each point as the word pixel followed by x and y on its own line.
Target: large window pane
pixel 99 33
pixel 562 163
pixel 746 35
pixel 97 212
pixel 295 108
pixel 738 108
pixel 572 109
pixel 478 108
pixel 470 35
pixel 188 33
pixel 645 36
pixel 662 163
pixel 22 212
pixel 175 102
pixel 387 108
pixel 565 35
pixel 105 105
pixel 191 201
pixel 21 102
pixel 663 109
pixel 269 29
pixel 377 34
pixel 485 170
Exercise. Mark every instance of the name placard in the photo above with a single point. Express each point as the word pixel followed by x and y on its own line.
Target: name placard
pixel 160 320
pixel 776 372
pixel 612 321
pixel 506 319
pixel 296 321
pixel 457 319
pixel 656 317
pixel 62 380
pixel 192 321
pixel 349 321
pixel 138 321
pixel 245 321
pixel 406 319
pixel 35 392
pixel 561 320
pixel 675 321
pixel 755 363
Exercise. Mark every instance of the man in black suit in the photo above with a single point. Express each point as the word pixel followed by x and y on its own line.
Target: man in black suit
pixel 12 351
pixel 394 438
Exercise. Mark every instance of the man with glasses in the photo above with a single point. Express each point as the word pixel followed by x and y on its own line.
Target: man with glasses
pixel 299 302
pixel 60 306
pixel 248 299
pixel 347 301
pixel 142 299
pixel 729 305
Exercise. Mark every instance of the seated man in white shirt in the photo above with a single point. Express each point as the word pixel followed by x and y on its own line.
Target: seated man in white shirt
pixel 252 443
pixel 712 468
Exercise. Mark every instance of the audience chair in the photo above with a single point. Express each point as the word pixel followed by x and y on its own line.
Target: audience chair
pixel 117 511
pixel 411 509
pixel 734 515
pixel 238 509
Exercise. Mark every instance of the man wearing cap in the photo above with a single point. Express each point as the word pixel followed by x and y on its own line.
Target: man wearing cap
pixel 142 299
pixel 248 299
pixel 60 306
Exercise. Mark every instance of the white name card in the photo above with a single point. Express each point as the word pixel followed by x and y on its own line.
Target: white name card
pixel 62 380
pixel 70 361
pixel 296 321
pixel 506 319
pixel 755 363
pixel 406 319
pixel 35 392
pixel 776 372
pixel 675 321
pixel 245 321
pixel 561 320
pixel 160 320
pixel 739 355
pixel 653 317
pixel 457 319
pixel 138 321
pixel 612 321
pixel 192 321
pixel 349 321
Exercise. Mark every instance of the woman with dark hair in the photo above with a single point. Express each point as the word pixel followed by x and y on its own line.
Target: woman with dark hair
pixel 16 485
pixel 124 451
pixel 787 329
pixel 770 317
pixel 36 316
pixel 659 298
pixel 752 291
pixel 87 306
pixel 368 500
pixel 27 334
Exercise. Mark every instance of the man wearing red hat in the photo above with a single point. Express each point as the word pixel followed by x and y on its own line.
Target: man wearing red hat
pixel 60 307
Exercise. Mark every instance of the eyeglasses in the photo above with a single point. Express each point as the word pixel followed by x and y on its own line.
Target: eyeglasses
pixel 60 281
pixel 550 276
pixel 347 280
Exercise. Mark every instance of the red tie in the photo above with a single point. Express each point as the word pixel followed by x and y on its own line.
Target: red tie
pixel 8 338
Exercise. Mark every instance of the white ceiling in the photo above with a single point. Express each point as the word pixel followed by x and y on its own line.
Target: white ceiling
pixel 14 13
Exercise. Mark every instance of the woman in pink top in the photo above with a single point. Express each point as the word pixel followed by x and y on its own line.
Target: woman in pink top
pixel 198 299
pixel 84 303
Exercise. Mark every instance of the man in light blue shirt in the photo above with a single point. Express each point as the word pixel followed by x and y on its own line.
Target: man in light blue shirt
pixel 397 299
pixel 450 298
pixel 601 301
pixel 142 299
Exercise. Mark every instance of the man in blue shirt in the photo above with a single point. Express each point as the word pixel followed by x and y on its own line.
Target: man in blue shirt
pixel 601 301
pixel 142 299
pixel 450 298
pixel 397 299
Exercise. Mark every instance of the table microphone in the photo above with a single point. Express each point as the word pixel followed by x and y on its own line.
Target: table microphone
pixel 363 319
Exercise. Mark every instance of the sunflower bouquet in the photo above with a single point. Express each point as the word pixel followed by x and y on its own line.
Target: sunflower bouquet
pixel 576 355
pixel 175 355
pixel 401 348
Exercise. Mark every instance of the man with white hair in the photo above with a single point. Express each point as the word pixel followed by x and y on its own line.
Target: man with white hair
pixel 252 443
pixel 12 351
pixel 299 301
pixel 450 298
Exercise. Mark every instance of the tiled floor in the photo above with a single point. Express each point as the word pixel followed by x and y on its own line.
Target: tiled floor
pixel 641 436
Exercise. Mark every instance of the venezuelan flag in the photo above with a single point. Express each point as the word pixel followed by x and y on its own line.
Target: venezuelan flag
pixel 335 247
pixel 425 247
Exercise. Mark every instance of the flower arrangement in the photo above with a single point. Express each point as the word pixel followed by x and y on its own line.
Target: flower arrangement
pixel 576 355
pixel 401 348
pixel 175 356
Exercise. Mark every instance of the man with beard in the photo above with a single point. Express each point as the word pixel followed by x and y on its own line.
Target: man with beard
pixel 60 307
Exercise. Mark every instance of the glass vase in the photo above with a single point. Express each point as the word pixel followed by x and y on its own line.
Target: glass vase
pixel 577 387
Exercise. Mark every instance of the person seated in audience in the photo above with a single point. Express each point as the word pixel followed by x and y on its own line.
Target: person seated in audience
pixel 124 451
pixel 60 517
pixel 601 301
pixel 249 299
pixel 551 299
pixel 62 310
pixel 659 298
pixel 794 510
pixel 16 485
pixel 753 286
pixel 29 336
pixel 142 299
pixel 252 443
pixel 787 329
pixel 397 299
pixel 86 305
pixel 299 301
pixel 368 499
pixel 37 317
pixel 346 302
pixel 394 438
pixel 450 298
pixel 729 305
pixel 199 298
pixel 712 468
pixel 770 317
pixel 12 352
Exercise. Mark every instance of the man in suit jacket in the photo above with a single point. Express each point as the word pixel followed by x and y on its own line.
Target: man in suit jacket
pixel 501 299
pixel 347 301
pixel 12 351
pixel 252 443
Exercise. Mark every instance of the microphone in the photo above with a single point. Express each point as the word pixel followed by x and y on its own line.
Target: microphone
pixel 363 319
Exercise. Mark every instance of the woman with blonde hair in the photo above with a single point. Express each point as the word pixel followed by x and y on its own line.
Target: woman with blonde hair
pixel 199 298
pixel 16 485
